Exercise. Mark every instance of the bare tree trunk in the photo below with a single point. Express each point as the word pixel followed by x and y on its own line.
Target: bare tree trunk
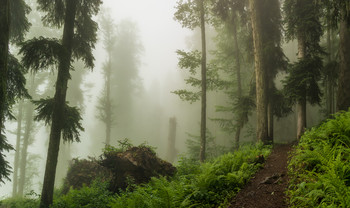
pixel 260 72
pixel 29 109
pixel 301 104
pixel 239 83
pixel 171 140
pixel 270 120
pixel 108 100
pixel 343 97
pixel 59 105
pixel 24 150
pixel 18 146
pixel 204 85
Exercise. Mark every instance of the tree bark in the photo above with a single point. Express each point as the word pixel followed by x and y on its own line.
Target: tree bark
pixel 18 146
pixel 343 96
pixel 171 140
pixel 108 100
pixel 301 104
pixel 29 110
pixel 260 72
pixel 330 109
pixel 270 120
pixel 59 104
pixel 204 84
pixel 239 82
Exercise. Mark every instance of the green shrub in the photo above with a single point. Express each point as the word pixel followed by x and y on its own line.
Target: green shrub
pixel 19 202
pixel 319 168
pixel 95 196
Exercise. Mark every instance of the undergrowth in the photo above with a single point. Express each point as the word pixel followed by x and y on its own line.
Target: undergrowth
pixel 197 185
pixel 319 169
pixel 209 184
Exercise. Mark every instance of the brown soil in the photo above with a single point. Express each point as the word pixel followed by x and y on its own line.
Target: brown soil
pixel 266 189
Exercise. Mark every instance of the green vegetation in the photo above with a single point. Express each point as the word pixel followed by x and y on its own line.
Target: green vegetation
pixel 195 184
pixel 319 170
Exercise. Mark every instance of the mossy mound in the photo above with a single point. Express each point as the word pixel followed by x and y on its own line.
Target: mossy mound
pixel 135 165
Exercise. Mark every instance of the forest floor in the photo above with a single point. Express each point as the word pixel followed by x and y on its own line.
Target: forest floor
pixel 266 189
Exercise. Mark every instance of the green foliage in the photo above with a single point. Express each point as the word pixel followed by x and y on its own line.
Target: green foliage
pixel 19 21
pixel 319 171
pixel 212 149
pixel 197 185
pixel 188 13
pixel 71 126
pixel 15 84
pixel 191 61
pixel 41 53
pixel 20 202
pixel 302 80
pixel 95 196
pixel 5 169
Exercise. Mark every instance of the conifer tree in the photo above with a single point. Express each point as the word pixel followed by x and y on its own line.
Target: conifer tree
pixel 302 19
pixel 78 40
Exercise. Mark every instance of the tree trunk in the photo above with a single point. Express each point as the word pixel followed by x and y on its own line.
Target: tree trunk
pixel 59 104
pixel 301 105
pixel 204 85
pixel 108 100
pixel 171 140
pixel 239 83
pixel 270 120
pixel 24 150
pixel 260 72
pixel 29 110
pixel 329 82
pixel 301 124
pixel 18 146
pixel 343 96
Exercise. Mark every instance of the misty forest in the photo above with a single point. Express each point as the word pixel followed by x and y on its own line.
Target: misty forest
pixel 186 103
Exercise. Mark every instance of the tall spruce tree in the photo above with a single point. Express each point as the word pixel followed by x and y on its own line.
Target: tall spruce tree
pixel 302 19
pixel 105 105
pixel 78 40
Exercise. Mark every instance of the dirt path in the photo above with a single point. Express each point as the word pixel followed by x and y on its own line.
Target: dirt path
pixel 266 188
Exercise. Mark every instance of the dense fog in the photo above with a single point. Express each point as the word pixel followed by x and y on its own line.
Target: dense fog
pixel 146 40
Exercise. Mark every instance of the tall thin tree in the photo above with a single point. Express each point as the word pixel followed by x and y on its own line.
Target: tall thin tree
pixel 192 14
pixel 78 40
